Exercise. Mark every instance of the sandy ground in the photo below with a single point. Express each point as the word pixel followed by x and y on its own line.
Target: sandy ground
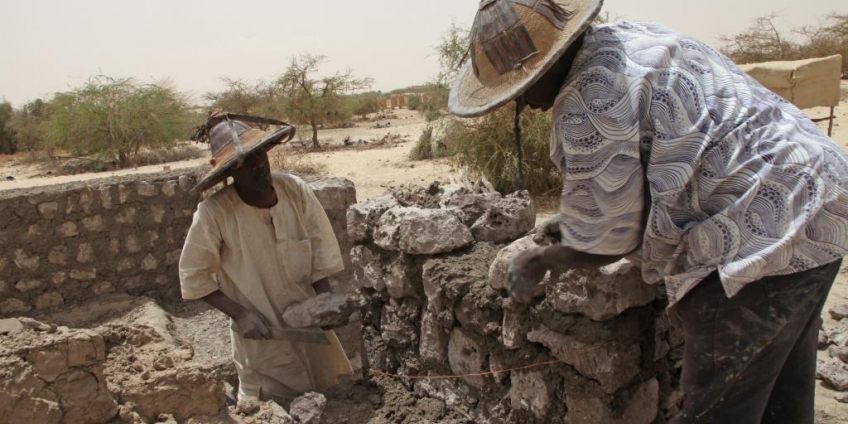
pixel 375 169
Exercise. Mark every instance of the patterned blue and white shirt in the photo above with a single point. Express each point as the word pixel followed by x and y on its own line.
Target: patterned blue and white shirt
pixel 740 180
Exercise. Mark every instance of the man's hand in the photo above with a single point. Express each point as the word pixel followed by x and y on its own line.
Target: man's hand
pixel 252 325
pixel 526 271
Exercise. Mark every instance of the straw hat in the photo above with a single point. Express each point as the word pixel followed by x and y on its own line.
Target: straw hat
pixel 234 137
pixel 513 43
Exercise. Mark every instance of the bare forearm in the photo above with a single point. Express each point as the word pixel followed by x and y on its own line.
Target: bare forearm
pixel 221 302
pixel 322 286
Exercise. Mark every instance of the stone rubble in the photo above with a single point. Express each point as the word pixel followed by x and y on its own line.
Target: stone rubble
pixel 433 277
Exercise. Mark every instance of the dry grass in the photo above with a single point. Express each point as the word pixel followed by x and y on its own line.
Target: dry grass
pixel 296 161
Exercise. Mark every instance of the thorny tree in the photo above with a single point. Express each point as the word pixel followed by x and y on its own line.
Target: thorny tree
pixel 312 99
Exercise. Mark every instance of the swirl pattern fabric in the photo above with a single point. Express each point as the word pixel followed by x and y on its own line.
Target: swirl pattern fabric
pixel 739 180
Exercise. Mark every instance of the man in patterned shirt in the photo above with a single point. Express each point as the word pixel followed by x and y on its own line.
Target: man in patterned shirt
pixel 729 195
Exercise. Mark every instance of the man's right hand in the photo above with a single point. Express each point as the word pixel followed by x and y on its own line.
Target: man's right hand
pixel 525 272
pixel 252 325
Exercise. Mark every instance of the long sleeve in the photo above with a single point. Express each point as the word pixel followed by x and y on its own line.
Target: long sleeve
pixel 201 256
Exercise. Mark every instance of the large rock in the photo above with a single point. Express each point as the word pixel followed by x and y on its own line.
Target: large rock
pixel 467 206
pixel 603 293
pixel 613 364
pixel 642 408
pixel 402 276
pixel 506 219
pixel 421 231
pixel 362 217
pixel 307 409
pixel 367 268
pixel 833 372
pixel 324 310
pixel 839 312
pixel 467 355
pixel 531 391
pixel 498 271
pixel 335 194
pixel 837 335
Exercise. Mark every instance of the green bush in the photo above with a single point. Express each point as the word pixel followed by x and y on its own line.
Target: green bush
pixel 486 146
pixel 8 144
pixel 116 118
pixel 413 102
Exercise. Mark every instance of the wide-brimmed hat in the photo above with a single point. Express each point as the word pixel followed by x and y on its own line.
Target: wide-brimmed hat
pixel 233 137
pixel 513 43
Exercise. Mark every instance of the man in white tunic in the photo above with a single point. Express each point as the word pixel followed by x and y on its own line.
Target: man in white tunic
pixel 254 248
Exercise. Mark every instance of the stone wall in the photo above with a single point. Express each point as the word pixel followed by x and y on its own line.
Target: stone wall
pixel 595 346
pixel 69 243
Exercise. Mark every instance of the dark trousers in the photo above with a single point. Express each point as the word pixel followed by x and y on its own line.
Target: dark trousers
pixel 752 359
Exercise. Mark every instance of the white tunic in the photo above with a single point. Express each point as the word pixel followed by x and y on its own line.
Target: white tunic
pixel 267 259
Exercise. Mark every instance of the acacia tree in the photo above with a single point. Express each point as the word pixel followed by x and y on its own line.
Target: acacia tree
pixel 312 99
pixel 117 118
pixel 261 98
pixel 7 136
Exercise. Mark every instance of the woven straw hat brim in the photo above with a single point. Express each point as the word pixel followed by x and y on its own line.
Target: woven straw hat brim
pixel 251 141
pixel 469 97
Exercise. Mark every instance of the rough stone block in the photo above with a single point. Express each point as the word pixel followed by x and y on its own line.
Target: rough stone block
pixel 603 293
pixel 68 229
pixel 145 189
pixel 335 194
pixel 169 188
pixel 612 363
pixel 839 352
pixel 307 409
pixel 324 310
pixel 834 373
pixel 642 408
pixel 530 392
pixel 185 183
pixel 363 217
pixel 421 231
pixel 839 312
pixel 367 269
pixel 58 255
pixel 59 277
pixel 82 275
pixel 27 262
pixel 48 300
pixel 434 339
pixel 514 326
pixel 131 244
pixel 123 193
pixel 14 306
pixel 397 326
pixel 479 311
pixel 467 355
pixel 469 207
pixel 149 263
pixel 24 286
pixel 124 265
pixel 126 216
pixel 157 213
pixel 85 253
pixel 506 219
pixel 402 277
pixel 48 210
pixel 105 197
pixel 94 223
pixel 102 287
pixel 85 200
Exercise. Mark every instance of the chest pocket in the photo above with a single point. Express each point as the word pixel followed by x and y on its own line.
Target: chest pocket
pixel 298 257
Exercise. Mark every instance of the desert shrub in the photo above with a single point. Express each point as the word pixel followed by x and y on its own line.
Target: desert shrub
pixel 8 143
pixel 486 147
pixel 117 118
pixel 296 161
pixel 413 102
pixel 362 104
pixel 764 41
pixel 423 148
pixel 28 125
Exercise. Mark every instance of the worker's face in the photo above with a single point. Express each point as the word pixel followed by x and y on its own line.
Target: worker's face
pixel 255 172
pixel 543 93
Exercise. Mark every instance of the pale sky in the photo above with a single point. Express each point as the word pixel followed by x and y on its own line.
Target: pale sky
pixel 51 46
